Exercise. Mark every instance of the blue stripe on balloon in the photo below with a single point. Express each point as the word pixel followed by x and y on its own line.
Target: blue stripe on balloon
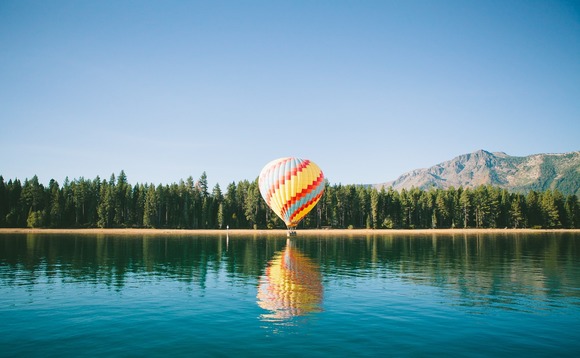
pixel 296 206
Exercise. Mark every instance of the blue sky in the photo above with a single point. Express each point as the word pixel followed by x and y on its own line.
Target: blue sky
pixel 366 89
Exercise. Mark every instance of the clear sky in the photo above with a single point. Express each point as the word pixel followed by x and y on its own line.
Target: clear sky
pixel 366 89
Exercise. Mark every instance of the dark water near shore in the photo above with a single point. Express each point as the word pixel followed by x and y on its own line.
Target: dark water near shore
pixel 461 295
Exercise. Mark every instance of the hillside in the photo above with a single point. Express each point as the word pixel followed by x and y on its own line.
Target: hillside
pixel 519 174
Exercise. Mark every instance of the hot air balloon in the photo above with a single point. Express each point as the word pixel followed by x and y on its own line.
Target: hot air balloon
pixel 291 187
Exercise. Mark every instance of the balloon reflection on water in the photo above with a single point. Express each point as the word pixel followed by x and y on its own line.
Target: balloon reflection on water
pixel 291 286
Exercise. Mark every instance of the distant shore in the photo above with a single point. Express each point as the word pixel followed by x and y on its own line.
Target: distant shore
pixel 278 232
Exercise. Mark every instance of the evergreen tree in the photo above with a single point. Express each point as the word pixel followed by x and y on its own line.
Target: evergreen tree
pixel 32 194
pixel 230 204
pixel 121 189
pixel 392 209
pixel 442 208
pixel 150 209
pixel 215 204
pixel 505 206
pixel 94 200
pixel 138 198
pixel 14 218
pixel 220 217
pixel 516 214
pixel 32 202
pixel 55 204
pixel 188 190
pixel 341 205
pixel 452 204
pixel 363 198
pixel 68 216
pixel 560 203
pixel 203 186
pixel 251 204
pixel 327 206
pixel 465 201
pixel 3 202
pixel 534 213
pixel 183 204
pixel 197 207
pixel 481 209
pixel 106 206
pixel 375 196
pixel 80 190
pixel 572 211
pixel 162 194
pixel 551 215
pixel 241 193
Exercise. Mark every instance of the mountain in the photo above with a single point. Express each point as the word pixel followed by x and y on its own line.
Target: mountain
pixel 537 172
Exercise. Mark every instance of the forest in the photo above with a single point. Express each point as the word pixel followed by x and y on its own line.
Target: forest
pixel 189 204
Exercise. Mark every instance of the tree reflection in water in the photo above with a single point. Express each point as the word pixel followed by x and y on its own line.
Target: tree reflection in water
pixel 291 286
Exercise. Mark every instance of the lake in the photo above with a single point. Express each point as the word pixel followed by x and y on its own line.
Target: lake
pixel 474 295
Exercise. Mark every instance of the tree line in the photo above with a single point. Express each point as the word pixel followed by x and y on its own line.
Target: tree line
pixel 190 204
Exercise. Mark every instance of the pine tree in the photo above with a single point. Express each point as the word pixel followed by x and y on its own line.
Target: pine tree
pixel 442 208
pixel 228 204
pixel 465 200
pixel 203 186
pixel 106 207
pixel 251 204
pixel 4 208
pixel 80 190
pixel 375 208
pixel 220 216
pixel 150 209
pixel 516 215
pixel 32 194
pixel 55 204
pixel 550 211
pixel 68 208
pixel 452 205
pixel 572 211
pixel 138 197
pixel 120 199
pixel 534 213
pixel 505 204
pixel 215 203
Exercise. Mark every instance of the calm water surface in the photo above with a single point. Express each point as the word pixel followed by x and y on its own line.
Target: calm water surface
pixel 460 295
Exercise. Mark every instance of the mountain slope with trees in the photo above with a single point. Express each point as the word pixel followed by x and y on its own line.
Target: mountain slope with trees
pixel 537 172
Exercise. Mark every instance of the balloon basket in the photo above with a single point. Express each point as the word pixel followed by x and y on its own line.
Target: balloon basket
pixel 291 232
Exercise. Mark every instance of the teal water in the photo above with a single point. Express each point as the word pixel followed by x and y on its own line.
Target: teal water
pixel 461 295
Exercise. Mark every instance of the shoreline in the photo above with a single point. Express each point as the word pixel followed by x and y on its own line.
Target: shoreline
pixel 276 232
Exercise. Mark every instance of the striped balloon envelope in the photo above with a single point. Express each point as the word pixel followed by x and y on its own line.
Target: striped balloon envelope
pixel 291 187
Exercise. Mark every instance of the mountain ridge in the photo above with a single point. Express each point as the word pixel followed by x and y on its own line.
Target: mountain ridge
pixel 537 172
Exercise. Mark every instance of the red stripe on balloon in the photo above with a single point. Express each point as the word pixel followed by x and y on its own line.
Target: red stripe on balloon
pixel 302 194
